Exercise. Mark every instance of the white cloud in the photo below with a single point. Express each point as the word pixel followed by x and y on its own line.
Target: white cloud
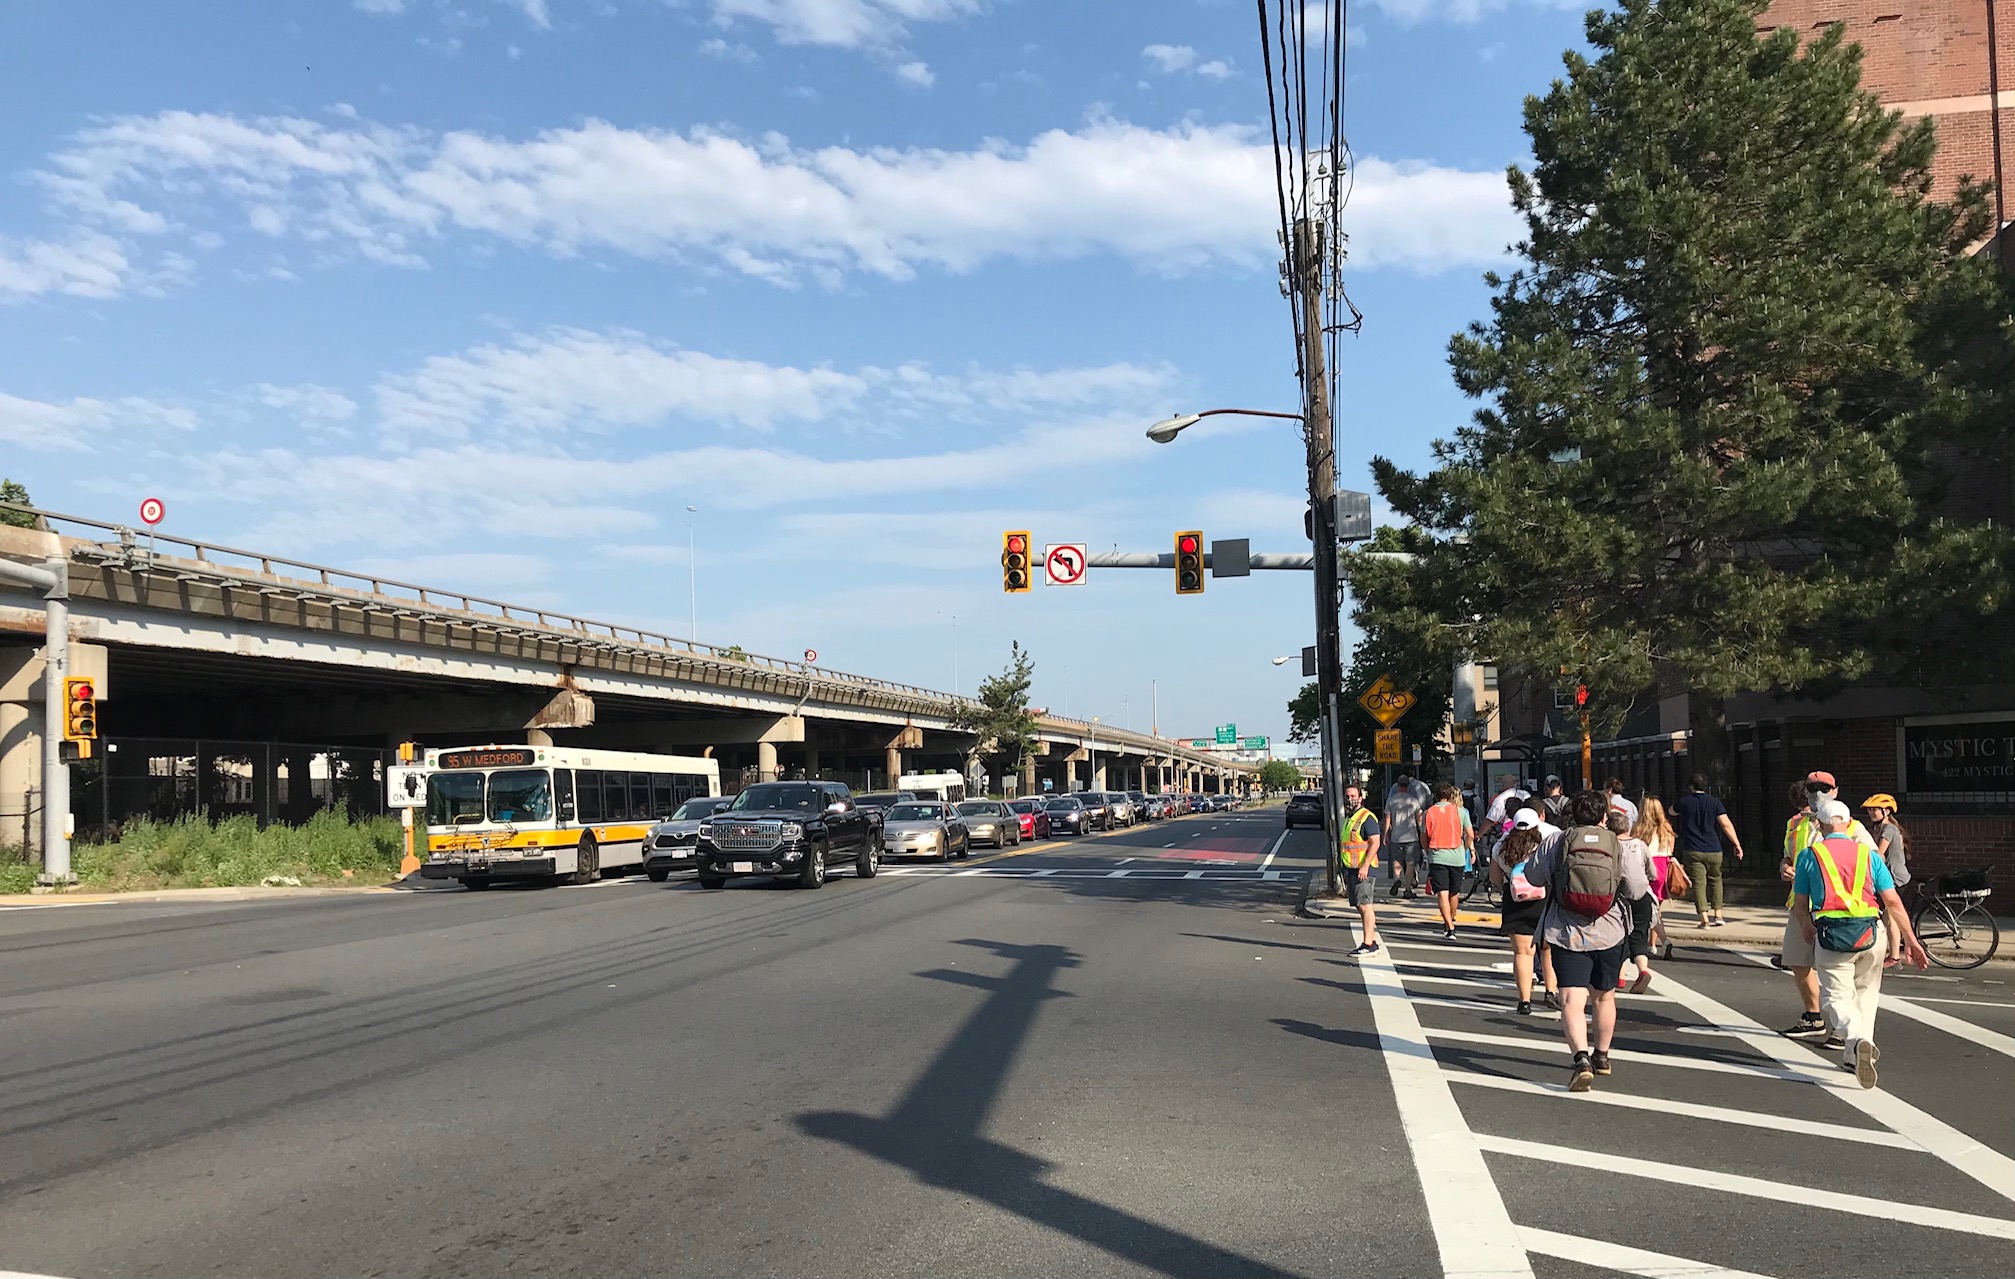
pixel 1216 69
pixel 52 427
pixel 381 6
pixel 1181 198
pixel 536 11
pixel 849 24
pixel 1170 58
pixel 722 49
pixel 90 265
pixel 310 402
pixel 574 379
pixel 917 73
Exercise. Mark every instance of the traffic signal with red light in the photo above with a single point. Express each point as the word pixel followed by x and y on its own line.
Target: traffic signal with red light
pixel 1189 562
pixel 80 709
pixel 1015 577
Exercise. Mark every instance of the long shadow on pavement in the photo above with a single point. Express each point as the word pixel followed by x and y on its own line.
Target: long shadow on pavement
pixel 934 1130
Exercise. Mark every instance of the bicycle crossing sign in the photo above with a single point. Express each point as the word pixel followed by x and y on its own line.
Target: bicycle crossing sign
pixel 1385 703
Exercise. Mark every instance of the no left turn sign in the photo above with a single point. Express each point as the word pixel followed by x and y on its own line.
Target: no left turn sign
pixel 1065 564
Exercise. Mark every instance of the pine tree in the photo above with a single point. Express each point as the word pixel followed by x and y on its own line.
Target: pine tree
pixel 1713 387
pixel 1001 718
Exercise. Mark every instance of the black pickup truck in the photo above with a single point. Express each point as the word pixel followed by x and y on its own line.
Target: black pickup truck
pixel 797 831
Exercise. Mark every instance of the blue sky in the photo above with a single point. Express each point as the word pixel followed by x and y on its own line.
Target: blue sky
pixel 485 293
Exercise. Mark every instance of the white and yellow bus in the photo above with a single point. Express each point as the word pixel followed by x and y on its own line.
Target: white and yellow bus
pixel 537 812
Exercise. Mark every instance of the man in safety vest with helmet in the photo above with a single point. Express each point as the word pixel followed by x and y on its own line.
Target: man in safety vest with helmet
pixel 1358 854
pixel 1844 904
pixel 1795 951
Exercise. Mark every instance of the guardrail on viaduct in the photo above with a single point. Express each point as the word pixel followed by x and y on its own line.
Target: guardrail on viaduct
pixel 129 567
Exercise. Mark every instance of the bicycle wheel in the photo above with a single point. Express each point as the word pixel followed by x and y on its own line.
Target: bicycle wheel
pixel 1961 937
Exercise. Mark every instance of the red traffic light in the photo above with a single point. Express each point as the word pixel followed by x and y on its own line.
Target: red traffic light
pixel 1581 695
pixel 1016 543
pixel 81 690
pixel 1187 545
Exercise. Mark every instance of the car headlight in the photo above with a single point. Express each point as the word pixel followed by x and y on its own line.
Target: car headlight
pixel 793 831
pixel 707 828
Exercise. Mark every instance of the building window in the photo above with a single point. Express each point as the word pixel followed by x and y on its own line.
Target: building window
pixel 1490 677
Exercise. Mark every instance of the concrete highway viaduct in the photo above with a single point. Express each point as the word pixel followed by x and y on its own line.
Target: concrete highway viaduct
pixel 231 676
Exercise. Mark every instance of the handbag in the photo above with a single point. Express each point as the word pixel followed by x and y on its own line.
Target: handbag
pixel 1678 884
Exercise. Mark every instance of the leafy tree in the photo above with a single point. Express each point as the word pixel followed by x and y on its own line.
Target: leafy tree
pixel 735 653
pixel 16 493
pixel 1278 774
pixel 1717 386
pixel 1304 714
pixel 1001 718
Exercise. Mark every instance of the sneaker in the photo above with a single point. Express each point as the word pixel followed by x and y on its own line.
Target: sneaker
pixel 1581 1077
pixel 1833 1044
pixel 1599 1061
pixel 1553 1000
pixel 1368 948
pixel 1865 1056
pixel 1525 1008
pixel 1808 1026
pixel 1448 935
pixel 1717 922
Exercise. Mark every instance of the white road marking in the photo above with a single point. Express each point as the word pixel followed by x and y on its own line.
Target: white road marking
pixel 1779 1192
pixel 1989 1167
pixel 1797 1072
pixel 1669 1106
pixel 1600 1255
pixel 1471 1224
pixel 1274 851
pixel 1992 1040
pixel 1195 874
pixel 1968 1003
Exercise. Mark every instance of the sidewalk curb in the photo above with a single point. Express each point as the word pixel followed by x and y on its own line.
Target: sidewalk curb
pixel 245 893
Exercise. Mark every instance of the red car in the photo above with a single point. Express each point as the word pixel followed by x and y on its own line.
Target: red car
pixel 1034 818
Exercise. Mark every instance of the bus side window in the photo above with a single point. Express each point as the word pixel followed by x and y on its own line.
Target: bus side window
pixel 590 796
pixel 563 794
pixel 663 802
pixel 640 795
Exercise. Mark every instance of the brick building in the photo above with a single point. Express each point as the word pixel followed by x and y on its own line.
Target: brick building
pixel 1931 58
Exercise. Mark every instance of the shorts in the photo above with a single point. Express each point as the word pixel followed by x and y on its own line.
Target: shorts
pixel 1358 885
pixel 1405 852
pixel 1595 969
pixel 1795 951
pixel 1445 879
pixel 1642 912
pixel 1521 919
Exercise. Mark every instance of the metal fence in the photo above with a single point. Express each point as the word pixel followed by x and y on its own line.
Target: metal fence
pixel 164 779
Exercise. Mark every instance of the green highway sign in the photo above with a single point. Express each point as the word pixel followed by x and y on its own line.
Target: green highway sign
pixel 1227 734
pixel 1254 743
pixel 1201 742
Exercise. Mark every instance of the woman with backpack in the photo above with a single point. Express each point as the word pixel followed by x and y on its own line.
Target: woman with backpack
pixel 1589 886
pixel 1524 903
pixel 1451 849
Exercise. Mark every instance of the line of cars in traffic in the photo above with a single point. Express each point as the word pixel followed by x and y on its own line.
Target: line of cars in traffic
pixel 801 831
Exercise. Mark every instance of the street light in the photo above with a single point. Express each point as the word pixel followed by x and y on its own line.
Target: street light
pixel 1168 428
pixel 1328 598
pixel 693 572
pixel 1282 661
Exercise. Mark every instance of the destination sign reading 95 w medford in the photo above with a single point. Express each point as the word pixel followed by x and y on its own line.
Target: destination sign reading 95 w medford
pixel 486 759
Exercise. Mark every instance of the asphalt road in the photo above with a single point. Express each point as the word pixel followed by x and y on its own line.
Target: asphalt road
pixel 1120 1055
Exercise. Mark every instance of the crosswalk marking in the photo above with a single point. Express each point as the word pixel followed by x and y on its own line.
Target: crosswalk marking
pixel 1993 1040
pixel 1737 1183
pixel 1695 1110
pixel 1795 1071
pixel 1602 1255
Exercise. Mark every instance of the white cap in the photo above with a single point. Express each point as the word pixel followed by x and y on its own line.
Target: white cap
pixel 1832 810
pixel 1525 819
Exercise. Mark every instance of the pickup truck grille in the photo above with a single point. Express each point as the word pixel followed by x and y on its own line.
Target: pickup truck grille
pixel 748 837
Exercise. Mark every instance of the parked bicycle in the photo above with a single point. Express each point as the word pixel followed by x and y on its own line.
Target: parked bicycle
pixel 1953 922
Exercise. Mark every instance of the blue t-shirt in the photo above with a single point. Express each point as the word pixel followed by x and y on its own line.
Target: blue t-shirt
pixel 1699 817
pixel 1809 880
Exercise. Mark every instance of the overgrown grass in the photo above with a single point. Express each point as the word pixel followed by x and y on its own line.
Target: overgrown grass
pixel 193 853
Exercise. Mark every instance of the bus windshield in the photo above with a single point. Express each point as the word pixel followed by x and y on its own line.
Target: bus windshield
pixel 454 798
pixel 521 795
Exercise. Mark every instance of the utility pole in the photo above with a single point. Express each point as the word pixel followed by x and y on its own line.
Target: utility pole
pixel 1309 254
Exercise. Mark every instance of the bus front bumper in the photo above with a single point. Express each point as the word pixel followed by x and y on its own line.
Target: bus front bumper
pixel 488 868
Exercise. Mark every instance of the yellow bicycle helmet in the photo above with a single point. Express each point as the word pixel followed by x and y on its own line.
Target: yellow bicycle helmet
pixel 1881 799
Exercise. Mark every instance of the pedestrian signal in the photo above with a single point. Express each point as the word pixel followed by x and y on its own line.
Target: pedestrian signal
pixel 1015 578
pixel 1189 562
pixel 80 709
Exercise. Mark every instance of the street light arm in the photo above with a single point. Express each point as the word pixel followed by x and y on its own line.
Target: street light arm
pixel 1168 428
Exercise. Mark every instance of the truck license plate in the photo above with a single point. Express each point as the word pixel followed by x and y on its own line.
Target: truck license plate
pixel 743 868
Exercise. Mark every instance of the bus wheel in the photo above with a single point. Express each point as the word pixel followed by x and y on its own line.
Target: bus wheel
pixel 589 868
